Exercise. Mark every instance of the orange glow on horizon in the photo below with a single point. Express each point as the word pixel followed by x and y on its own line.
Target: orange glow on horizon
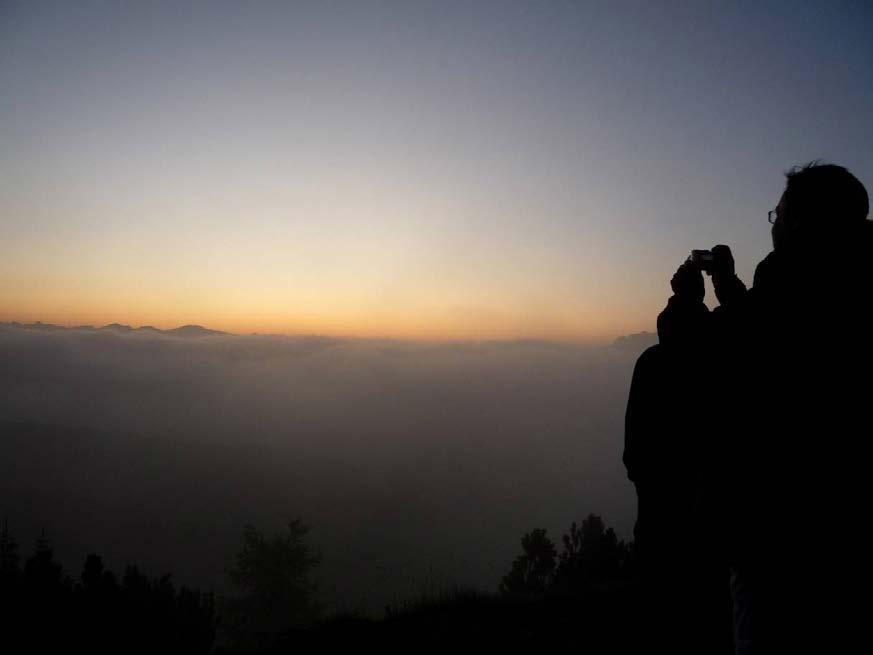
pixel 386 298
pixel 441 326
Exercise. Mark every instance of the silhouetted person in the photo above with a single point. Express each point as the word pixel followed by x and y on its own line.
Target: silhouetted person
pixel 758 410
pixel 685 604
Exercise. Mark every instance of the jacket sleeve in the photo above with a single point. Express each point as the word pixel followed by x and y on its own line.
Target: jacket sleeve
pixel 729 289
pixel 688 324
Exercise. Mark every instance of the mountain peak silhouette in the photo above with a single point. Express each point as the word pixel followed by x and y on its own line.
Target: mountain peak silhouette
pixel 117 327
pixel 193 331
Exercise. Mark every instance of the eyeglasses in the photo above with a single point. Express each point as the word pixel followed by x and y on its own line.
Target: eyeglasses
pixel 771 216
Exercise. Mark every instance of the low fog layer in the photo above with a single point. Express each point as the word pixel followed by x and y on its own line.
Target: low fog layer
pixel 419 465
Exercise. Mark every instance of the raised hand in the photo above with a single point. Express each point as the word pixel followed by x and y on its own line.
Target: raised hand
pixel 687 283
pixel 722 261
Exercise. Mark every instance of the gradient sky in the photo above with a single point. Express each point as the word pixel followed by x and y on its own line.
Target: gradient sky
pixel 407 169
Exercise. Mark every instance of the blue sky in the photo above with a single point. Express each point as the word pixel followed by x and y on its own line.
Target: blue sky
pixel 438 169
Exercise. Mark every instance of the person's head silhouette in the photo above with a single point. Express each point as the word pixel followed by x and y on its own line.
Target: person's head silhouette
pixel 821 202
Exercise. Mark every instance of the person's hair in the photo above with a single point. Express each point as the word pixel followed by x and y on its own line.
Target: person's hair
pixel 825 197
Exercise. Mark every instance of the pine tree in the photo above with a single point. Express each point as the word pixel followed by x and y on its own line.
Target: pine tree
pixel 532 571
pixel 10 568
pixel 592 555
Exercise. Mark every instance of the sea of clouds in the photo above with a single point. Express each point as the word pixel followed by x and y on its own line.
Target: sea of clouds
pixel 418 465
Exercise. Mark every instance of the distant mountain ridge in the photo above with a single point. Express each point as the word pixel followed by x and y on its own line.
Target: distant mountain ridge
pixel 181 331
pixel 637 342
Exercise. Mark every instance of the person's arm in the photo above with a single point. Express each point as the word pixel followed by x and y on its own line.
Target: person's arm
pixel 729 288
pixel 686 322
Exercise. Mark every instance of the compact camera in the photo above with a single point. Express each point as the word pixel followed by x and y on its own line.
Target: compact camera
pixel 702 259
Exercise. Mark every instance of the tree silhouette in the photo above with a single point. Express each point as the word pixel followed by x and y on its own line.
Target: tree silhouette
pixel 272 576
pixel 92 574
pixel 46 594
pixel 532 571
pixel 41 570
pixel 592 555
pixel 43 611
pixel 10 579
pixel 9 560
